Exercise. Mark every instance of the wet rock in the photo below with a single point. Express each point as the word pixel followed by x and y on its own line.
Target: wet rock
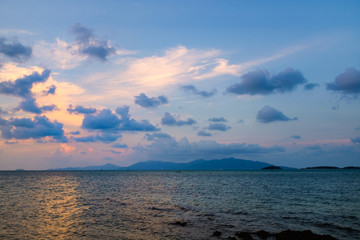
pixel 263 234
pixel 244 235
pixel 301 235
pixel 217 234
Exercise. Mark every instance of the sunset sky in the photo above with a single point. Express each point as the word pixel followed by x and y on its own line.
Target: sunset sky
pixel 94 82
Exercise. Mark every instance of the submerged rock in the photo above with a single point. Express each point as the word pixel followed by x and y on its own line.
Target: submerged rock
pixel 301 235
pixel 244 235
pixel 217 233
pixel 284 235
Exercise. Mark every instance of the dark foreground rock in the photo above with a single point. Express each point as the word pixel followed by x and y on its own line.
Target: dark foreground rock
pixel 284 235
pixel 217 234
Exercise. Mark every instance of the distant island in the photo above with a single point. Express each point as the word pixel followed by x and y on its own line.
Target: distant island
pixel 329 168
pixel 226 164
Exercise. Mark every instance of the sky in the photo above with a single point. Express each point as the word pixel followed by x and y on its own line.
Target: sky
pixel 94 82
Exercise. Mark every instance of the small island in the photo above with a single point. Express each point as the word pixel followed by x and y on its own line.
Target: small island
pixel 272 168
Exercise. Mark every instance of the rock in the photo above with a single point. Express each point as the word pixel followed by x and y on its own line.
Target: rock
pixel 263 234
pixel 301 235
pixel 244 235
pixel 217 234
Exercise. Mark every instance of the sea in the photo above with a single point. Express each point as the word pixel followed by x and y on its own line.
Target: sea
pixel 177 204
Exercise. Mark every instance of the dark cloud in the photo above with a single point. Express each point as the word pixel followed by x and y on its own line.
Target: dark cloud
pixel 268 114
pixel 21 87
pixel 218 127
pixel 152 137
pixel 193 90
pixel 106 120
pixel 102 121
pixel 311 86
pixel 29 105
pixel 217 119
pixel 14 50
pixel 123 112
pixel 51 90
pixel 259 82
pixel 296 136
pixel 75 133
pixel 115 152
pixel 80 110
pixel 202 133
pixel 85 139
pixel 170 120
pixel 105 137
pixel 347 82
pixel 147 102
pixel 355 140
pixel 119 145
pixel 90 45
pixel 26 128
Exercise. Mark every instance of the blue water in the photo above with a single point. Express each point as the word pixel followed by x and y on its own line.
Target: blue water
pixel 144 205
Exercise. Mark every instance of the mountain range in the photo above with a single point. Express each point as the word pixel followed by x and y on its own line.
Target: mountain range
pixel 200 164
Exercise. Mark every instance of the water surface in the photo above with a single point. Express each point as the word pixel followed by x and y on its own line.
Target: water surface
pixel 146 204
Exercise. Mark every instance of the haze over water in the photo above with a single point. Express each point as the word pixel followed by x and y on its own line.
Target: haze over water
pixel 146 204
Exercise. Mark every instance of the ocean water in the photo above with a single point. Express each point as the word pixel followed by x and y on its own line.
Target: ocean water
pixel 148 204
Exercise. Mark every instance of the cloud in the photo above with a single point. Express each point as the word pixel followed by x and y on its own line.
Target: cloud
pixel 21 87
pixel 311 86
pixel 218 127
pixel 296 136
pixel 217 119
pixel 2 112
pixel 183 150
pixel 102 121
pixel 119 145
pixel 154 136
pixel 105 137
pixel 147 102
pixel 26 128
pixel 51 90
pixel 259 82
pixel 106 120
pixel 170 120
pixel 193 90
pixel 14 50
pixel 130 124
pixel 89 45
pixel 75 133
pixel 268 114
pixel 80 110
pixel 355 140
pixel 29 105
pixel 202 133
pixel 347 82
